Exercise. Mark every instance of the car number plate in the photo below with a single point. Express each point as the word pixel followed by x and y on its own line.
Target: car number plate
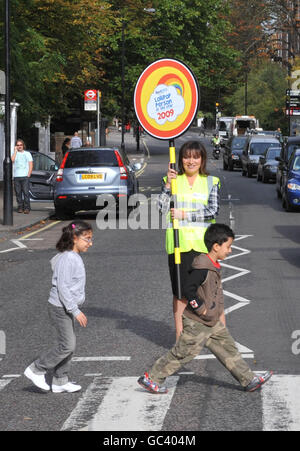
pixel 91 176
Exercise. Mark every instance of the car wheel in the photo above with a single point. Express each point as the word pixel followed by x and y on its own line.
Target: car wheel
pixel 63 214
pixel 285 203
pixel 279 196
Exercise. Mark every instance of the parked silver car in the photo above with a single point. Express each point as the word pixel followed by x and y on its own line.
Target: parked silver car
pixel 87 173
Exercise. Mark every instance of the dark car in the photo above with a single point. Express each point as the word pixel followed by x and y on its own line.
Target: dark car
pixel 267 166
pixel 291 183
pixel 233 151
pixel 87 173
pixel 42 180
pixel 255 147
pixel 290 145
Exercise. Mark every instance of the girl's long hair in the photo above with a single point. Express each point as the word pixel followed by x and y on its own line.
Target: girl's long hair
pixel 66 241
pixel 193 148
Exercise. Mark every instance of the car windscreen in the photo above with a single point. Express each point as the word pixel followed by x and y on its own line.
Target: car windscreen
pixel 291 149
pixel 296 165
pixel 94 158
pixel 273 153
pixel 238 143
pixel 260 148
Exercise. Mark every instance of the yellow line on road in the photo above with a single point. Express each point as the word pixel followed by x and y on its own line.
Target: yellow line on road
pixel 40 230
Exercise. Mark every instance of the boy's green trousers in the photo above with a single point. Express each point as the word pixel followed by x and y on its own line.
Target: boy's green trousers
pixel 194 337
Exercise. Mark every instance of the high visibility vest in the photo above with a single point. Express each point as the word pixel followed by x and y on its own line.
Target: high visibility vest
pixel 191 234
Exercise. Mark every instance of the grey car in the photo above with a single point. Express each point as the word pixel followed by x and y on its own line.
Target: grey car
pixel 267 166
pixel 255 148
pixel 87 173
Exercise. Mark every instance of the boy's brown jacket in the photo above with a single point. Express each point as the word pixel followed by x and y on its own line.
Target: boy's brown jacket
pixel 210 292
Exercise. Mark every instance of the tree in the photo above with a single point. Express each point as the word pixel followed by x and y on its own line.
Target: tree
pixel 267 86
pixel 62 47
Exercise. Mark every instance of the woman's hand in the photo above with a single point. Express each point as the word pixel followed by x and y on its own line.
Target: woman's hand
pixel 172 174
pixel 177 214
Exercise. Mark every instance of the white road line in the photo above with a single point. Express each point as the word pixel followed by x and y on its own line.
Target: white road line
pixel 281 403
pixel 119 404
pixel 244 351
pixel 21 245
pixel 99 359
pixel 5 382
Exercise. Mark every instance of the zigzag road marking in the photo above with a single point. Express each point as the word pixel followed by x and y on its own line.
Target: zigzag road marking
pixel 242 302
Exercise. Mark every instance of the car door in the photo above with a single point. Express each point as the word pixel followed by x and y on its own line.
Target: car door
pixel 41 182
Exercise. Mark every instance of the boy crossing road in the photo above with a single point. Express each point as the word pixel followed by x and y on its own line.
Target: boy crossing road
pixel 204 321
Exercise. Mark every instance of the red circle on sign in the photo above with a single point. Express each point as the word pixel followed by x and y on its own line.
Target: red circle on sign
pixel 185 74
pixel 91 94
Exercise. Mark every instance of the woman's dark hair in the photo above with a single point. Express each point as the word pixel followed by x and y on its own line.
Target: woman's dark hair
pixel 217 233
pixel 193 148
pixel 66 241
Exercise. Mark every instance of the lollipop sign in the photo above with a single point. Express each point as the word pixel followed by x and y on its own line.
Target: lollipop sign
pixel 166 98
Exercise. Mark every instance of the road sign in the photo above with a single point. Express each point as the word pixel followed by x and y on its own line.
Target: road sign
pixel 90 100
pixel 166 98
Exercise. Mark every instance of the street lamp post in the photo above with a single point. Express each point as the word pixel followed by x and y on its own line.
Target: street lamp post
pixel 7 163
pixel 148 11
pixel 123 85
pixel 246 75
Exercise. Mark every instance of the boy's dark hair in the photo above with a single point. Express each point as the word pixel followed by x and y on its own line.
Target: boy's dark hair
pixel 217 233
pixel 66 241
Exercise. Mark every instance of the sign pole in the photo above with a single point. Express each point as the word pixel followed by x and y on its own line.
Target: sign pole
pixel 166 101
pixel 177 256
pixel 98 117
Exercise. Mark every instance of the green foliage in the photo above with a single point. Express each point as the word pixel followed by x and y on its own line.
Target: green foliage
pixel 267 86
pixel 59 48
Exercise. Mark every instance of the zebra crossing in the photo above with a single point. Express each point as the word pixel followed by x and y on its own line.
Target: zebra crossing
pixel 119 404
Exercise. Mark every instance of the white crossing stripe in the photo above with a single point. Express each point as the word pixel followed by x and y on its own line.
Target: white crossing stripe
pixel 281 403
pixel 119 404
pixel 101 359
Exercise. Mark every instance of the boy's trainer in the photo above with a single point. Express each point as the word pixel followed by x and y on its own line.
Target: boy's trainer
pixel 259 380
pixel 151 386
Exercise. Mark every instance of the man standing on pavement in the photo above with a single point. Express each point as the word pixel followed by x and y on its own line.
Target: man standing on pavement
pixel 76 141
pixel 23 166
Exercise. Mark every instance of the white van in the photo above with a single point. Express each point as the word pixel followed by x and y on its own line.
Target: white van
pixel 224 126
pixel 242 124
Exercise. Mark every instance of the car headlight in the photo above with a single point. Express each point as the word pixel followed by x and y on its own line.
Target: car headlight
pixel 293 186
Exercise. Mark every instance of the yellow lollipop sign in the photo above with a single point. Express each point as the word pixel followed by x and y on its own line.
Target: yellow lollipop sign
pixel 166 98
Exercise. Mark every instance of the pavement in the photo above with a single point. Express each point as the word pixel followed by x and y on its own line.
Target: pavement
pixel 42 211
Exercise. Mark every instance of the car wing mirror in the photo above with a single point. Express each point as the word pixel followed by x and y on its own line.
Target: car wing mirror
pixel 136 166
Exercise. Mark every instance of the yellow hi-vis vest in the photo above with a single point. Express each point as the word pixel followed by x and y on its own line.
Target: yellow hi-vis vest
pixel 191 234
